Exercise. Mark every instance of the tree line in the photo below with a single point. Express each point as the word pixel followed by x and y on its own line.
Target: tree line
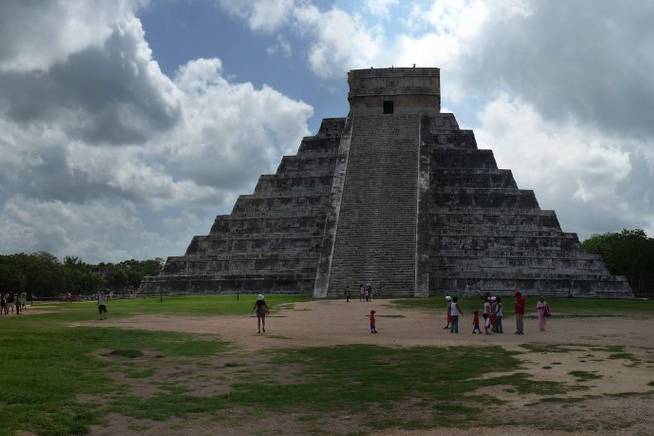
pixel 629 253
pixel 42 274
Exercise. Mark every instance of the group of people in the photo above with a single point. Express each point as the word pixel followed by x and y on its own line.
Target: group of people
pixel 493 314
pixel 366 292
pixel 13 302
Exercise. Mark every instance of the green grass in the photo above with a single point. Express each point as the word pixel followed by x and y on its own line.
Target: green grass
pixel 46 365
pixel 201 305
pixel 559 306
pixel 585 375
pixel 44 370
pixel 60 379
pixel 550 348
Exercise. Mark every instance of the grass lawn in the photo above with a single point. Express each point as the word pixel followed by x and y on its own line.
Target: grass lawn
pixel 201 305
pixel 60 379
pixel 559 306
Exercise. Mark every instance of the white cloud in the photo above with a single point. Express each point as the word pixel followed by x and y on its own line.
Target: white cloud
pixel 261 15
pixel 574 169
pixel 188 146
pixel 381 7
pixel 281 46
pixel 340 41
pixel 30 41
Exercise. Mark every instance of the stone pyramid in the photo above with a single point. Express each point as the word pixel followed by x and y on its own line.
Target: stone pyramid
pixel 395 195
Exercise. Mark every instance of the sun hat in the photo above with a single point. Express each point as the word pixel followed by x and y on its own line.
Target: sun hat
pixel 448 298
pixel 260 297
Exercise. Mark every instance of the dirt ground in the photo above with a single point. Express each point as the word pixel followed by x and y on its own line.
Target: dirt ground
pixel 336 322
pixel 613 395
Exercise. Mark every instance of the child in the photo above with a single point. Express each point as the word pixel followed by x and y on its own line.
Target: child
pixel 372 321
pixel 455 310
pixel 475 323
pixel 448 299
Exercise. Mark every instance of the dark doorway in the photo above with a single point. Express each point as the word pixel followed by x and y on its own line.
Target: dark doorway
pixel 388 107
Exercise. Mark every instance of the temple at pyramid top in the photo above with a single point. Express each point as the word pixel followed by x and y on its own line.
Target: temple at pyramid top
pixel 396 195
pixel 399 90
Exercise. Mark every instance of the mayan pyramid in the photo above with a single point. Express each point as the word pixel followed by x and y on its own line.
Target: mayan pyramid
pixel 396 195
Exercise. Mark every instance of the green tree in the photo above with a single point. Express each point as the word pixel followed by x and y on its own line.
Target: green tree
pixel 629 253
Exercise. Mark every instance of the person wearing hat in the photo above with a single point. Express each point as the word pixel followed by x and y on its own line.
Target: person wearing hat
pixel 448 299
pixel 261 308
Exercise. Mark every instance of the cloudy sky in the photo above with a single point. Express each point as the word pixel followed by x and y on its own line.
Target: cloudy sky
pixel 127 125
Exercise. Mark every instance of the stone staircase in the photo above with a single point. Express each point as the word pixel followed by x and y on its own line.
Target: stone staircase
pixel 376 230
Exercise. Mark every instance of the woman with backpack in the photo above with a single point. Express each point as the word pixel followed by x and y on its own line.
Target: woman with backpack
pixel 543 310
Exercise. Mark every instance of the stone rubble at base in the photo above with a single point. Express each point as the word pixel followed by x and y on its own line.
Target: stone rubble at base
pixel 404 201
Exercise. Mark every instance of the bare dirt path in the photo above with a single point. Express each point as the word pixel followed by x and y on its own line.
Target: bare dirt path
pixel 335 322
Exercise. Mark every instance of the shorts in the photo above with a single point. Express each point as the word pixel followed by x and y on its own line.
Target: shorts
pixel 102 308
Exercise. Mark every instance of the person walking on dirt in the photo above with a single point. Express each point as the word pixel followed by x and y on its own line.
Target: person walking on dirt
pixel 102 305
pixel 487 315
pixel 373 328
pixel 455 311
pixel 499 315
pixel 261 308
pixel 448 300
pixel 361 292
pixel 519 313
pixel 543 310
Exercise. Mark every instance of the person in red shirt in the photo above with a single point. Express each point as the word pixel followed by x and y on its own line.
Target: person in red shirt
pixel 475 323
pixel 519 313
pixel 372 321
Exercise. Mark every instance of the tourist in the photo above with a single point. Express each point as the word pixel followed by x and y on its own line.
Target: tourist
pixel 467 291
pixel 361 292
pixel 448 299
pixel 475 323
pixel 3 304
pixel 493 313
pixel 499 314
pixel 543 312
pixel 519 313
pixel 23 300
pixel 347 296
pixel 261 308
pixel 455 311
pixel 373 328
pixel 17 302
pixel 102 305
pixel 10 301
pixel 487 314
pixel 366 292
